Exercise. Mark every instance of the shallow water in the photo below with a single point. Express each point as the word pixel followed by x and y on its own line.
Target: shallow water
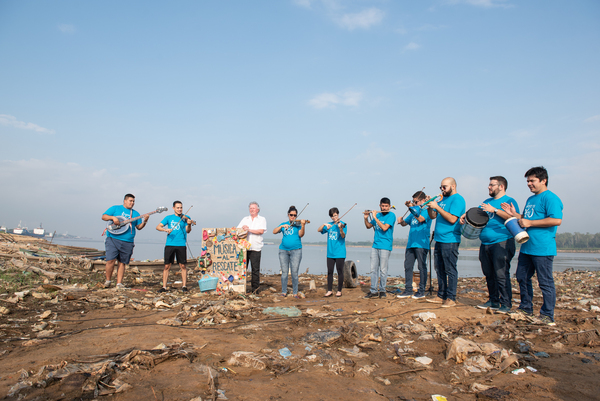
pixel 314 258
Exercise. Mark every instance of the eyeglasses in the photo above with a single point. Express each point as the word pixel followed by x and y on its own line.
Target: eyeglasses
pixel 493 185
pixel 444 187
pixel 292 215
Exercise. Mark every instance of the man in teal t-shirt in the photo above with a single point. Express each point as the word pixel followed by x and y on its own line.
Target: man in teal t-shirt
pixel 177 226
pixel 383 224
pixel 541 216
pixel 417 246
pixel 447 239
pixel 497 247
pixel 119 247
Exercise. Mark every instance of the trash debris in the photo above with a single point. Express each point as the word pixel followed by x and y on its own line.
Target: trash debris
pixel 321 337
pixel 285 352
pixel 424 360
pixel 426 316
pixel 247 359
pixel 292 311
pixel 518 371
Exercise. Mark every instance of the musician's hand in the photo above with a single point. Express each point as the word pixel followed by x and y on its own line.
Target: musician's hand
pixel 374 213
pixel 115 221
pixel 524 223
pixel 400 220
pixel 146 217
pixel 366 214
pixel 341 226
pixel 285 226
pixel 487 207
pixel 328 226
pixel 462 219
pixel 509 209
pixel 168 230
pixel 408 204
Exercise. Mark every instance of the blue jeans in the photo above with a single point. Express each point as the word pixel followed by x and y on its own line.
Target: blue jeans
pixel 542 266
pixel 495 265
pixel 379 268
pixel 412 254
pixel 289 260
pixel 445 257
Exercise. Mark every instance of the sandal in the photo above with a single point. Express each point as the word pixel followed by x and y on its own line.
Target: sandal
pixel 283 294
pixel 339 294
pixel 328 294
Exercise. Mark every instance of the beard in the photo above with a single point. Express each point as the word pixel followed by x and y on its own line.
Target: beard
pixel 447 193
pixel 493 193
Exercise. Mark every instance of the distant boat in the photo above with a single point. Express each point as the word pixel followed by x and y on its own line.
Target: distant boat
pixel 38 232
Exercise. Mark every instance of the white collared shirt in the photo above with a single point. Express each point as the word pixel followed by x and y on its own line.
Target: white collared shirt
pixel 259 223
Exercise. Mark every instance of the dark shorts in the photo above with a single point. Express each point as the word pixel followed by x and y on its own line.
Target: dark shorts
pixel 172 251
pixel 119 250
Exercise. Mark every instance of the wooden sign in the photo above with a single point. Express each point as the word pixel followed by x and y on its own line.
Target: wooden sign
pixel 224 256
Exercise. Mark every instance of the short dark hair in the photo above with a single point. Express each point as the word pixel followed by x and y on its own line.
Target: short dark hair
pixel 501 180
pixel 292 208
pixel 176 202
pixel 419 195
pixel 539 172
pixel 128 196
pixel 385 201
pixel 333 211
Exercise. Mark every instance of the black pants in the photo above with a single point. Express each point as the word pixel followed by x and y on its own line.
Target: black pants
pixel 339 266
pixel 254 261
pixel 495 264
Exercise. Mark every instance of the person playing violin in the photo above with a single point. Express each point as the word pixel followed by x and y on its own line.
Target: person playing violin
pixel 336 249
pixel 290 250
pixel 177 226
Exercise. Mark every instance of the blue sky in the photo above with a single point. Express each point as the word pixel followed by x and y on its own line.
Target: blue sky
pixel 327 102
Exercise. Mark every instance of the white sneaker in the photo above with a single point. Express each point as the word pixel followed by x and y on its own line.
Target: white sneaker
pixel 120 287
pixel 107 284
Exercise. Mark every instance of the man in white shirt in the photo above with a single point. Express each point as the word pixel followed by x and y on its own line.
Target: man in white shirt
pixel 255 226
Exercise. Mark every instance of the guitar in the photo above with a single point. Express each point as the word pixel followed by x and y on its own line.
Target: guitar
pixel 125 223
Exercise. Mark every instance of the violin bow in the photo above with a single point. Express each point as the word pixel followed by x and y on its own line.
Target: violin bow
pixel 301 211
pixel 340 219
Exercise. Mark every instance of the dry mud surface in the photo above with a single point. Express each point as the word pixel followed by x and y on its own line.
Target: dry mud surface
pixel 71 342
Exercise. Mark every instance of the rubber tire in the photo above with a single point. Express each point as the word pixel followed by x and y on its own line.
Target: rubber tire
pixel 350 275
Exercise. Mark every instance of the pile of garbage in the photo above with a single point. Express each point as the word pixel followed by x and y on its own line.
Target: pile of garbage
pixel 101 375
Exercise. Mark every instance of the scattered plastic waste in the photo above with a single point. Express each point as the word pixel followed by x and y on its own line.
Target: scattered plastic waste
pixel 280 310
pixel 426 316
pixel 285 352
pixel 518 371
pixel 424 360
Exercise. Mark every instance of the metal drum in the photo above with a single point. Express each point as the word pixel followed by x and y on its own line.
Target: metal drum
pixel 475 221
pixel 513 227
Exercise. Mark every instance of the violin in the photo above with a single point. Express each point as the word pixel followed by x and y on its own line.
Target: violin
pixel 298 223
pixel 188 217
pixel 336 224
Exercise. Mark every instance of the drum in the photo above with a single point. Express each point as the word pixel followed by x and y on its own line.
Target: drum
pixel 513 227
pixel 475 221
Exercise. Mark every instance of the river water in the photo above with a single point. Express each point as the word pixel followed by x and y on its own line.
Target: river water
pixel 314 257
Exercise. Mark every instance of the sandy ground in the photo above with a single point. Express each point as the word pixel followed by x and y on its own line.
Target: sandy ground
pixel 341 348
